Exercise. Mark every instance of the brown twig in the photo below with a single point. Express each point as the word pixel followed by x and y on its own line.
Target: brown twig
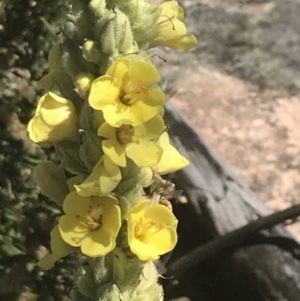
pixel 231 239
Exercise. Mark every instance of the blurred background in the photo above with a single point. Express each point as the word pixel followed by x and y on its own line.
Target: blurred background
pixel 240 88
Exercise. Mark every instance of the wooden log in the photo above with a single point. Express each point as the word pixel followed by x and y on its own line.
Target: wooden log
pixel 260 266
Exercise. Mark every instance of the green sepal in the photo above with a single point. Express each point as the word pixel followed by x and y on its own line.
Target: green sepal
pixel 84 280
pixel 68 152
pixel 90 151
pixel 52 181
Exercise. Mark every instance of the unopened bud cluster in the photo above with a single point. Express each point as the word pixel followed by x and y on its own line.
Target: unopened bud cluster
pixel 103 112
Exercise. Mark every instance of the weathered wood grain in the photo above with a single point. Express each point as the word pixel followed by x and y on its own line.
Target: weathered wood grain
pixel 218 203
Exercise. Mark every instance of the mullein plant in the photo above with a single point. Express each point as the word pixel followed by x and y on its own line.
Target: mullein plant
pixel 103 113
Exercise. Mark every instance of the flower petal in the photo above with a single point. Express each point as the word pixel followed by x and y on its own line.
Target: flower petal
pixel 55 120
pixel 111 176
pixel 171 31
pixel 105 177
pixel 106 131
pixel 118 70
pixel 144 252
pixel 72 231
pixel 97 243
pixel 161 214
pixel 115 151
pixel 169 8
pixel 143 111
pixel 170 161
pixel 137 210
pixel 55 109
pixel 144 153
pixel 39 131
pixel 103 92
pixel 145 73
pixel 150 129
pixel 105 202
pixel 184 43
pixel 111 221
pixel 74 204
pixel 163 241
pixel 116 115
pixel 155 97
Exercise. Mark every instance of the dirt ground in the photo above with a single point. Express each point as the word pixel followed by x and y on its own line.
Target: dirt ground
pixel 240 89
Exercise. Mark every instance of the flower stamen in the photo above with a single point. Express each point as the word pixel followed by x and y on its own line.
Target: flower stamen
pixel 145 228
pixel 125 134
pixel 132 92
pixel 93 220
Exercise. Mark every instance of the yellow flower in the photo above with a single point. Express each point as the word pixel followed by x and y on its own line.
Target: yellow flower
pixel 171 30
pixel 151 230
pixel 91 223
pixel 54 120
pixel 104 179
pixel 133 142
pixel 124 93
pixel 59 249
pixel 171 159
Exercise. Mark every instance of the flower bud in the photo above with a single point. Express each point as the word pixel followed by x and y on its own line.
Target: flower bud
pixel 114 34
pixel 84 280
pixel 91 52
pixel 171 30
pixel 83 84
pixel 98 8
pixel 82 15
pixel 148 288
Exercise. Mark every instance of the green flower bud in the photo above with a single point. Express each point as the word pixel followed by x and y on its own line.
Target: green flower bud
pixel 84 280
pixel 52 181
pixel 113 33
pixel 111 293
pixel 102 269
pixel 133 270
pixel 117 275
pixel 143 17
pixel 148 288
pixel 98 8
pixel 82 15
pixel 133 181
